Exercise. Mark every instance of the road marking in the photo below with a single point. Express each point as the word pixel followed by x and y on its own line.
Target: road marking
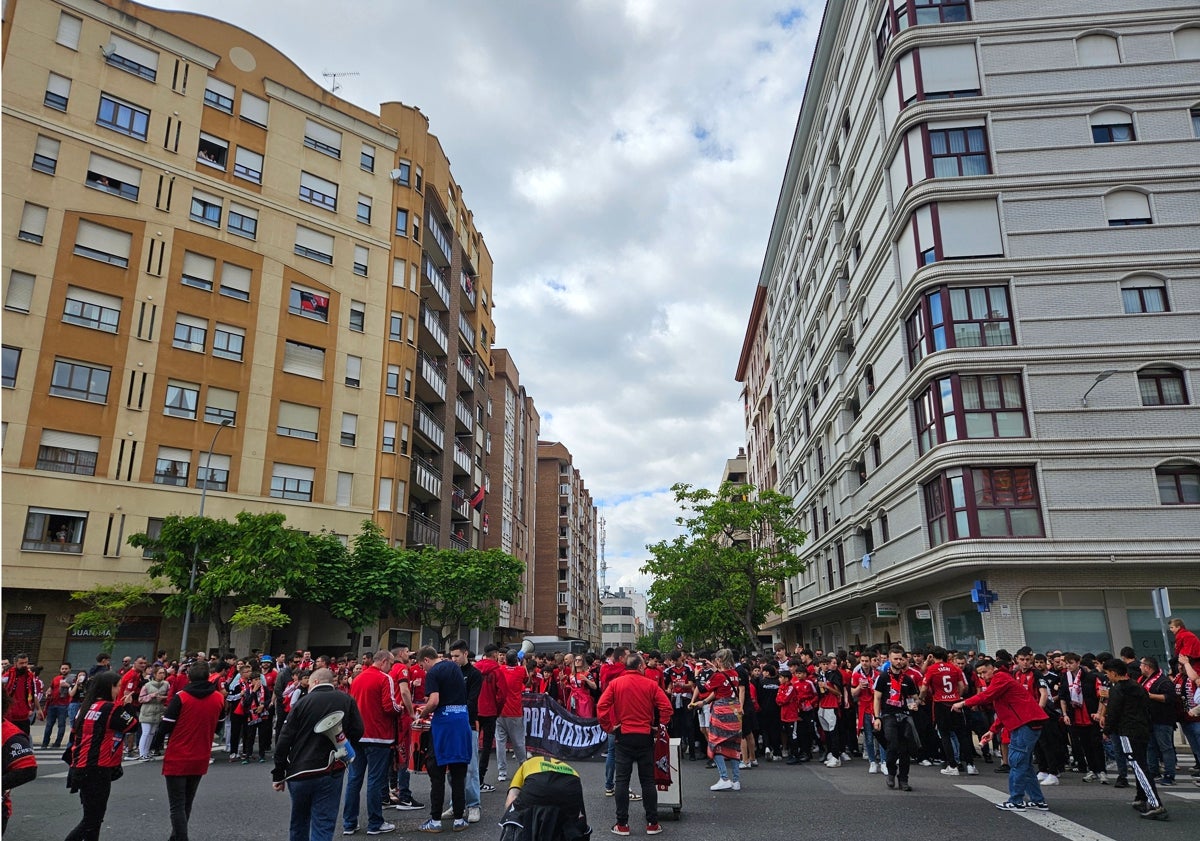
pixel 1048 820
pixel 52 776
pixel 1182 795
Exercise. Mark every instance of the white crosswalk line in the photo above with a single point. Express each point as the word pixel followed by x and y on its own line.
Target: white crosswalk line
pixel 1182 795
pixel 1048 820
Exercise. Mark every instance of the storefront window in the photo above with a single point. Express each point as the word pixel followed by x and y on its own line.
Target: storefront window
pixel 963 625
pixel 920 627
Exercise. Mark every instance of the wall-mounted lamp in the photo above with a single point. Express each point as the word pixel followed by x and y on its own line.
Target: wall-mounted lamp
pixel 1101 377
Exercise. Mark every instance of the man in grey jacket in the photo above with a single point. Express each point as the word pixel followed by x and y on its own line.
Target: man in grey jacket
pixel 305 759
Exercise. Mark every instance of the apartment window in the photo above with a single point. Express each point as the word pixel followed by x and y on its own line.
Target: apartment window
pixel 404 438
pixel 191 333
pixel 87 308
pixel 291 481
pixel 1124 208
pixel 132 58
pixel 364 209
pixel 885 533
pixel 959 151
pixel 19 294
pixel 228 341
pixel 113 177
pixel 389 437
pixel 248 164
pixel 97 242
pixel 1162 386
pixel 214 475
pixel 950 230
pixel 33 223
pixel 959 317
pixel 929 73
pixel 198 271
pixel 358 316
pixel 54 530
pixel 1144 295
pixel 123 117
pixel 212 151
pixel 366 158
pixel 1097 50
pixel 78 380
pixel 354 371
pixel 314 245
pixel 68 452
pixel 876 451
pixel 1195 115
pixel 298 421
pixel 45 155
pixel 220 405
pixel 308 303
pixel 254 109
pixel 242 221
pixel 396 327
pixel 304 360
pixel 385 494
pixel 323 139
pixel 318 191
pixel 982 502
pixel 401 222
pixel 345 488
pixel 408 378
pixel 361 254
pixel 235 281
pixel 58 92
pixel 154 532
pixel 961 407
pixel 69 28
pixel 418 179
pixel 172 466
pixel 1178 483
pixel 218 94
pixel 182 399
pixel 206 208
pixel 392 385
pixel 12 363
pixel 1112 126
pixel 349 429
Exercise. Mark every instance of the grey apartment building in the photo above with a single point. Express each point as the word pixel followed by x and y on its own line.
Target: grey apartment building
pixel 974 354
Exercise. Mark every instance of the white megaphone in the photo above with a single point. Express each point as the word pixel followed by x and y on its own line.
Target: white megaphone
pixel 331 727
pixel 526 646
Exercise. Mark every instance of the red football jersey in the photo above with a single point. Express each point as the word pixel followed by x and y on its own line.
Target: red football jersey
pixel 943 680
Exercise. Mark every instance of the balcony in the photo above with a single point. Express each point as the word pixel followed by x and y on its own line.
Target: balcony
pixel 460 503
pixel 458 543
pixel 433 372
pixel 466 368
pixel 432 323
pixel 422 531
pixel 463 412
pixel 468 287
pixel 462 456
pixel 435 280
pixel 466 330
pixel 427 477
pixel 436 236
pixel 428 425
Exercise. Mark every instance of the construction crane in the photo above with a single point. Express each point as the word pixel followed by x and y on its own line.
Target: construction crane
pixel 333 79
pixel 603 562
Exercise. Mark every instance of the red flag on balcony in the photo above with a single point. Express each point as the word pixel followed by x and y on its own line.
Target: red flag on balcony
pixel 312 302
pixel 485 523
pixel 477 499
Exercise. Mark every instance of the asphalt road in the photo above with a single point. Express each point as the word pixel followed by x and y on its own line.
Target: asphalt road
pixel 777 802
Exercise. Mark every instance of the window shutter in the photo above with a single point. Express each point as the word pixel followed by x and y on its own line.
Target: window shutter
pixel 33 219
pixel 191 321
pixel 220 398
pixel 304 360
pixel 113 169
pixel 236 278
pixel 949 68
pixel 1127 204
pixel 175 454
pixel 218 87
pixel 198 266
pixel 216 461
pixel 323 134
pixel 133 52
pixel 68 31
pixel 70 441
pixel 88 296
pixel 385 494
pixel 47 147
pixel 60 85
pixel 345 485
pixel 248 159
pixel 970 228
pixel 314 182
pixel 297 416
pixel 99 238
pixel 1095 50
pixel 1111 117
pixel 313 240
pixel 361 254
pixel 292 471
pixel 254 109
pixel 354 368
pixel 20 291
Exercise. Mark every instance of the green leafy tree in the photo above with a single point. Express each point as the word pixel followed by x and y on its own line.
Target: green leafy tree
pixel 107 606
pixel 716 581
pixel 462 588
pixel 249 561
pixel 265 616
pixel 359 584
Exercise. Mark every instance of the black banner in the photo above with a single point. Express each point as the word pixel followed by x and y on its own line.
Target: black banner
pixel 552 729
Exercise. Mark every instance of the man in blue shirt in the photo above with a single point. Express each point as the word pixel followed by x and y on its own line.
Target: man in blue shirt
pixel 445 709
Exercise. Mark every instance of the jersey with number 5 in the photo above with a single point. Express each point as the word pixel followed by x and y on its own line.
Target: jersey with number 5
pixel 943 680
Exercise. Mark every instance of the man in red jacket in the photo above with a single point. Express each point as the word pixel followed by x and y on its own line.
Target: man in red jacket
pixel 1022 717
pixel 510 727
pixel 629 708
pixel 492 698
pixel 376 698
pixel 190 720
pixel 20 686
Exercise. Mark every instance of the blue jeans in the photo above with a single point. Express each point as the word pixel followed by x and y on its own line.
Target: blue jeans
pixel 1022 779
pixel 473 773
pixel 727 771
pixel 371 761
pixel 315 802
pixel 873 749
pixel 56 713
pixel 1191 732
pixel 610 762
pixel 1162 751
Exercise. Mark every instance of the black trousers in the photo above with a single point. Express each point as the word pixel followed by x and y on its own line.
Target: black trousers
pixel 1088 747
pixel 803 733
pixel 897 731
pixel 681 728
pixel 260 731
pixel 487 726
pixel 437 789
pixel 772 729
pixel 181 791
pixel 635 748
pixel 94 787
pixel 1050 750
pixel 950 723
pixel 1139 748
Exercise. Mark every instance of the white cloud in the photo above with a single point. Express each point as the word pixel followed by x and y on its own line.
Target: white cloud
pixel 623 161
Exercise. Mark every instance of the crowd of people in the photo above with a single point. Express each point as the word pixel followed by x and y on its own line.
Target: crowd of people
pixel 1110 718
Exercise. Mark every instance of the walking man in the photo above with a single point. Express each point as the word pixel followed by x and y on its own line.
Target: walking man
pixel 629 709
pixel 307 762
pixel 895 694
pixel 510 726
pixel 450 737
pixel 190 720
pixel 374 694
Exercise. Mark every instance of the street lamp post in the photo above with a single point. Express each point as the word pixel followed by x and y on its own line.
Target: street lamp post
pixel 187 613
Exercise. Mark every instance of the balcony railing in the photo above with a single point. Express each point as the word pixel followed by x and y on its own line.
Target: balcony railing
pixel 458 543
pixel 433 275
pixel 422 530
pixel 460 503
pixel 433 324
pixel 464 327
pixel 429 426
pixel 427 475
pixel 462 456
pixel 434 372
pixel 437 234
pixel 466 367
pixel 463 412
pixel 468 287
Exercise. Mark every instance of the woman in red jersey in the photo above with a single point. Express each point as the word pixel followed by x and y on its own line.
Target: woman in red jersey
pixel 95 753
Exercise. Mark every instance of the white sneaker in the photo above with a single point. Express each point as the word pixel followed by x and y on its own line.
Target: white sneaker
pixel 972 771
pixel 743 766
pixel 949 771
pixel 473 814
pixel 767 754
pixel 845 757
pixel 874 769
pixel 926 763
pixel 834 763
pixel 1050 780
pixel 1103 778
pixel 1089 777
pixel 721 785
pixel 736 785
pixel 501 777
pixel 1041 777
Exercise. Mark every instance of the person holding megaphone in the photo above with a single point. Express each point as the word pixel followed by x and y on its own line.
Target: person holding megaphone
pixel 314 748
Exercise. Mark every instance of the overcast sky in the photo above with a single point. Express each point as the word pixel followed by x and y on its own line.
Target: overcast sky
pixel 622 160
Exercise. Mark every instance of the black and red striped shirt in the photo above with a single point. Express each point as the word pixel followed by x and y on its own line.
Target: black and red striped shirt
pixel 99 735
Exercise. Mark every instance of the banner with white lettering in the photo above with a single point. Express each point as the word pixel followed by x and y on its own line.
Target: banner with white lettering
pixel 550 728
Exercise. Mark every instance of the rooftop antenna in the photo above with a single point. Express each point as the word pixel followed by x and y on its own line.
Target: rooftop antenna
pixel 603 562
pixel 333 79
